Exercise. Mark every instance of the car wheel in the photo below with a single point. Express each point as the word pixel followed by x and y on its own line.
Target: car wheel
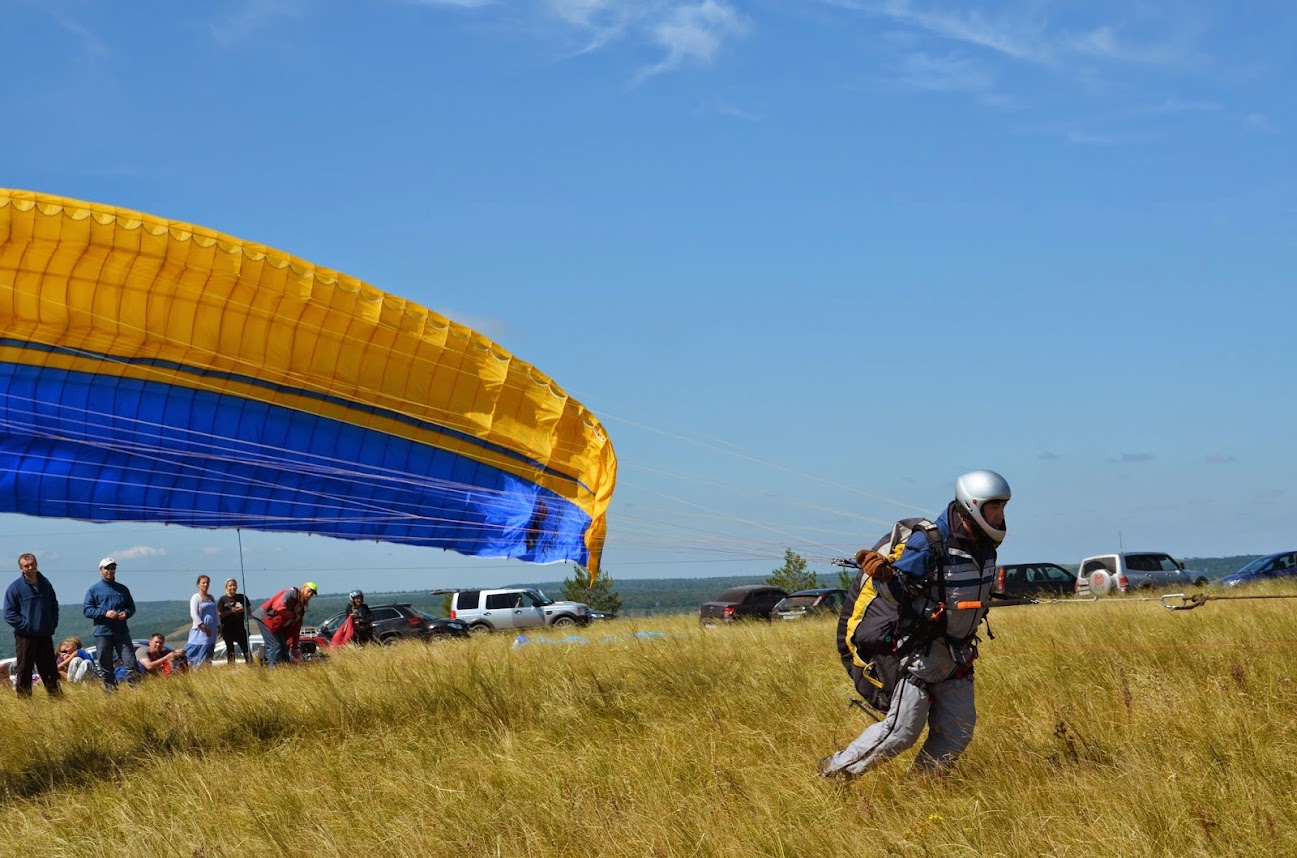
pixel 1201 582
pixel 1101 583
pixel 389 640
pixel 479 629
pixel 437 636
pixel 563 622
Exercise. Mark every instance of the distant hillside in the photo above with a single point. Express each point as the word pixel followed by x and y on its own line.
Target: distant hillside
pixel 640 598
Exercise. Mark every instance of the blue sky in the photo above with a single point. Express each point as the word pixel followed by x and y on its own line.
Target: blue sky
pixel 807 261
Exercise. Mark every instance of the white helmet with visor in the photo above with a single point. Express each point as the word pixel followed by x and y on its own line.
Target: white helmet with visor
pixel 974 489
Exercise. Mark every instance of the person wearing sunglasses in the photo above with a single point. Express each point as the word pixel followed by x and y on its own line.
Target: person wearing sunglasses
pixel 75 663
pixel 110 604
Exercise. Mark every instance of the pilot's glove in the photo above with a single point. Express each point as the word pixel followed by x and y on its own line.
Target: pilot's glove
pixel 874 565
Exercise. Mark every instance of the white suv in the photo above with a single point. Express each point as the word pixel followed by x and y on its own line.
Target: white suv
pixel 1134 570
pixel 513 608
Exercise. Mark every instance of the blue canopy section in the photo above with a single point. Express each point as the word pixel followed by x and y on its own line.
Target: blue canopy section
pixel 105 448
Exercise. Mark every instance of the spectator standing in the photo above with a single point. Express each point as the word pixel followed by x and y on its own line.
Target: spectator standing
pixel 32 608
pixel 280 619
pixel 233 610
pixel 202 613
pixel 157 659
pixel 110 605
pixel 75 664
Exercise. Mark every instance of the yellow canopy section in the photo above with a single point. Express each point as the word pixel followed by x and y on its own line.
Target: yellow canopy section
pixel 102 298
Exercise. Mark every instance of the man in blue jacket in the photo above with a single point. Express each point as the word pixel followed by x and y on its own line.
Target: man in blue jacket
pixel 32 608
pixel 110 605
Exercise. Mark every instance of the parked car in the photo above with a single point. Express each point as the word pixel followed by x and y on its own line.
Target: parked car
pixel 820 600
pixel 255 643
pixel 1134 570
pixel 1016 580
pixel 513 608
pixel 750 601
pixel 394 623
pixel 1271 567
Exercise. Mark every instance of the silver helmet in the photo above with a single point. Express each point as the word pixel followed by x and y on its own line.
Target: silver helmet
pixel 356 594
pixel 974 489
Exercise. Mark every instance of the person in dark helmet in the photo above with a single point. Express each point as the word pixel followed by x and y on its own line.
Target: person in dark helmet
pixel 362 618
pixel 909 630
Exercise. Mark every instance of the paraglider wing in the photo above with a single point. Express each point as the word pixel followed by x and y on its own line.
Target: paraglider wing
pixel 157 371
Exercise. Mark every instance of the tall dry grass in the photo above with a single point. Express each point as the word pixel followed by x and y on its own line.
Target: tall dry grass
pixel 1113 728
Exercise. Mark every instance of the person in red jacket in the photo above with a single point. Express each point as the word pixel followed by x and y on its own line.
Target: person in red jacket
pixel 280 618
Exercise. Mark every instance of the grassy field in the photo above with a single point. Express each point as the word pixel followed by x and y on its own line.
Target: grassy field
pixel 1114 728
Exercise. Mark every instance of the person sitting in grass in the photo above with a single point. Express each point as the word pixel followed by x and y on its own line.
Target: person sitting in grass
pixel 158 659
pixel 74 662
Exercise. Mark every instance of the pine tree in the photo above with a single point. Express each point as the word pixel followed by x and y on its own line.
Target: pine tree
pixel 598 594
pixel 792 576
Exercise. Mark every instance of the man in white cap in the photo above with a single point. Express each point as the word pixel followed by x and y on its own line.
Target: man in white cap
pixel 110 605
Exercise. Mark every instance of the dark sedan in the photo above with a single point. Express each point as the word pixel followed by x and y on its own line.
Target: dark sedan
pixel 751 601
pixel 1024 580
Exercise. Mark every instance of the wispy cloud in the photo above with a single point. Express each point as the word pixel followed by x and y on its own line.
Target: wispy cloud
pixel 1260 123
pixel 1220 459
pixel 95 48
pixel 730 110
pixel 1020 33
pixel 1132 458
pixel 139 552
pixel 492 327
pixel 1048 456
pixel 251 17
pixel 684 31
pixel 1081 137
pixel 948 73
pixel 456 4
pixel 1104 43
pixel 693 33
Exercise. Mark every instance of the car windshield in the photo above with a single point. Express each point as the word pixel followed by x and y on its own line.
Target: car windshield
pixel 330 625
pixel 797 602
pixel 1255 566
pixel 539 598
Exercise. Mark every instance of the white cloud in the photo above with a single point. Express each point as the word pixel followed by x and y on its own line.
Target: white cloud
pixel 1021 40
pixel 252 17
pixel 138 552
pixel 693 32
pixel 949 73
pixel 491 327
pixel 457 4
pixel 1260 122
pixel 1100 138
pixel 94 47
pixel 1103 43
pixel 585 13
